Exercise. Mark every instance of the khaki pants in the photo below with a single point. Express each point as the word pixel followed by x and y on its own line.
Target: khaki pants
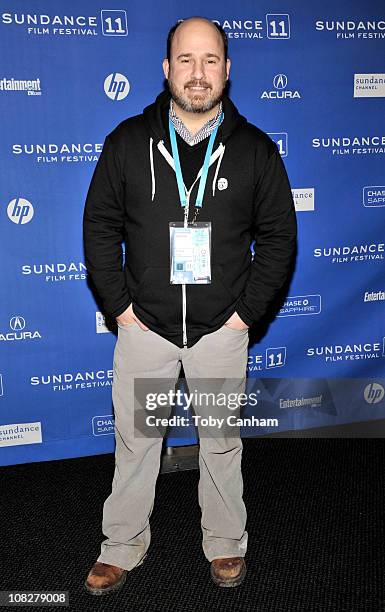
pixel 126 513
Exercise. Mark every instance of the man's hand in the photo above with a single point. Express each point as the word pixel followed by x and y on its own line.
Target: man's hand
pixel 127 318
pixel 235 322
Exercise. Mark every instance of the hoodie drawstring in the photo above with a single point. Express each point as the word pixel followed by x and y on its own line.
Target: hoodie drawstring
pixel 218 166
pixel 152 170
pixel 219 154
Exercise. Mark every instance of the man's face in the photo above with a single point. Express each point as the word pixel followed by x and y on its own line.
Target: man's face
pixel 197 72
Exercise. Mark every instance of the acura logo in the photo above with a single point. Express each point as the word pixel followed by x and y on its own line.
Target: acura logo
pixel 280 81
pixel 17 323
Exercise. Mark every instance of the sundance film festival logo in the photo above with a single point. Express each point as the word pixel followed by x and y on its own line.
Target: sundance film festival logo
pixel 280 92
pixel 20 211
pixel 74 381
pixel 56 272
pixel 108 23
pixel 353 29
pixel 351 253
pixel 17 325
pixel 32 87
pixel 350 145
pixel 51 153
pixel 374 393
pixel 116 86
pixel 348 352
pixel 274 26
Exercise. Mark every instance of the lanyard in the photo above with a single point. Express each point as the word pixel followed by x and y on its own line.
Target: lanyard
pixel 205 168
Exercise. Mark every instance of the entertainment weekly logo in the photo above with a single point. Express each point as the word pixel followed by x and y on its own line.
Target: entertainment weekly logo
pixel 54 153
pixel 31 87
pixel 106 23
pixel 352 29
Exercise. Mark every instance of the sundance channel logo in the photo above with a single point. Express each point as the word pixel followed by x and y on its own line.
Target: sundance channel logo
pixel 369 86
pixel 20 433
pixel 303 199
pixel 106 23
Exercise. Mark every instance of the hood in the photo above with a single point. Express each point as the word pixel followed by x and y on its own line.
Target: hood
pixel 153 117
pixel 159 133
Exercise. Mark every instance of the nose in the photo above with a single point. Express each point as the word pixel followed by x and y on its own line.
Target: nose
pixel 197 70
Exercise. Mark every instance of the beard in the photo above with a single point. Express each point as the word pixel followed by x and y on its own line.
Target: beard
pixel 198 102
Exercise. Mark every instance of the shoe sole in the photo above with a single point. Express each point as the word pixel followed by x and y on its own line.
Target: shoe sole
pixel 232 582
pixel 115 587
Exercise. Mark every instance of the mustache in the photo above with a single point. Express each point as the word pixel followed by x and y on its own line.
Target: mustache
pixel 197 84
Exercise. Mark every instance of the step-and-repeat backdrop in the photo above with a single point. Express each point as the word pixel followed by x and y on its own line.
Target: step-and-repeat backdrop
pixel 311 74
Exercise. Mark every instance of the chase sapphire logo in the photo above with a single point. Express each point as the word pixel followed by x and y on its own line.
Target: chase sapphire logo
pixel 103 425
pixel 301 305
pixel 374 196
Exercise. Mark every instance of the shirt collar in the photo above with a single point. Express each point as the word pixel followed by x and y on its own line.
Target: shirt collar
pixel 204 131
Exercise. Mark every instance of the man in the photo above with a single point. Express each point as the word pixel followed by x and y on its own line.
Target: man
pixel 188 185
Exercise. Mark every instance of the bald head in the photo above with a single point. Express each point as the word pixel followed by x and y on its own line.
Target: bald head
pixel 200 25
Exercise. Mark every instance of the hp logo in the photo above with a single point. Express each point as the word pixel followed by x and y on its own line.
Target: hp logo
pixel 17 323
pixel 374 393
pixel 280 81
pixel 20 211
pixel 116 86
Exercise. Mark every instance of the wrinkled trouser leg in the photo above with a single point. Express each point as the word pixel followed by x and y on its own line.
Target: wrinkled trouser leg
pixel 126 512
pixel 222 354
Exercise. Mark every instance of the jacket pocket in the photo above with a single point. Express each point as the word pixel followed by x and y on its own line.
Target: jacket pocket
pixel 156 299
pixel 206 304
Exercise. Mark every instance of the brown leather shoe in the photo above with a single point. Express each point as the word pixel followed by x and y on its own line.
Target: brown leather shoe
pixel 104 579
pixel 228 571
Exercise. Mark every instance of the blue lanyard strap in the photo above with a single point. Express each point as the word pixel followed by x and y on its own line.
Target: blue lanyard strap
pixel 205 168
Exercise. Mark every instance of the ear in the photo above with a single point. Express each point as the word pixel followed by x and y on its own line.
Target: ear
pixel 228 65
pixel 166 67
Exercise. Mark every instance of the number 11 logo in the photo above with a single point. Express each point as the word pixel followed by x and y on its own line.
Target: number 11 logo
pixel 114 23
pixel 278 26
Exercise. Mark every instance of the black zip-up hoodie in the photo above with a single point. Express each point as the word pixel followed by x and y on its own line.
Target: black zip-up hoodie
pixel 133 196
